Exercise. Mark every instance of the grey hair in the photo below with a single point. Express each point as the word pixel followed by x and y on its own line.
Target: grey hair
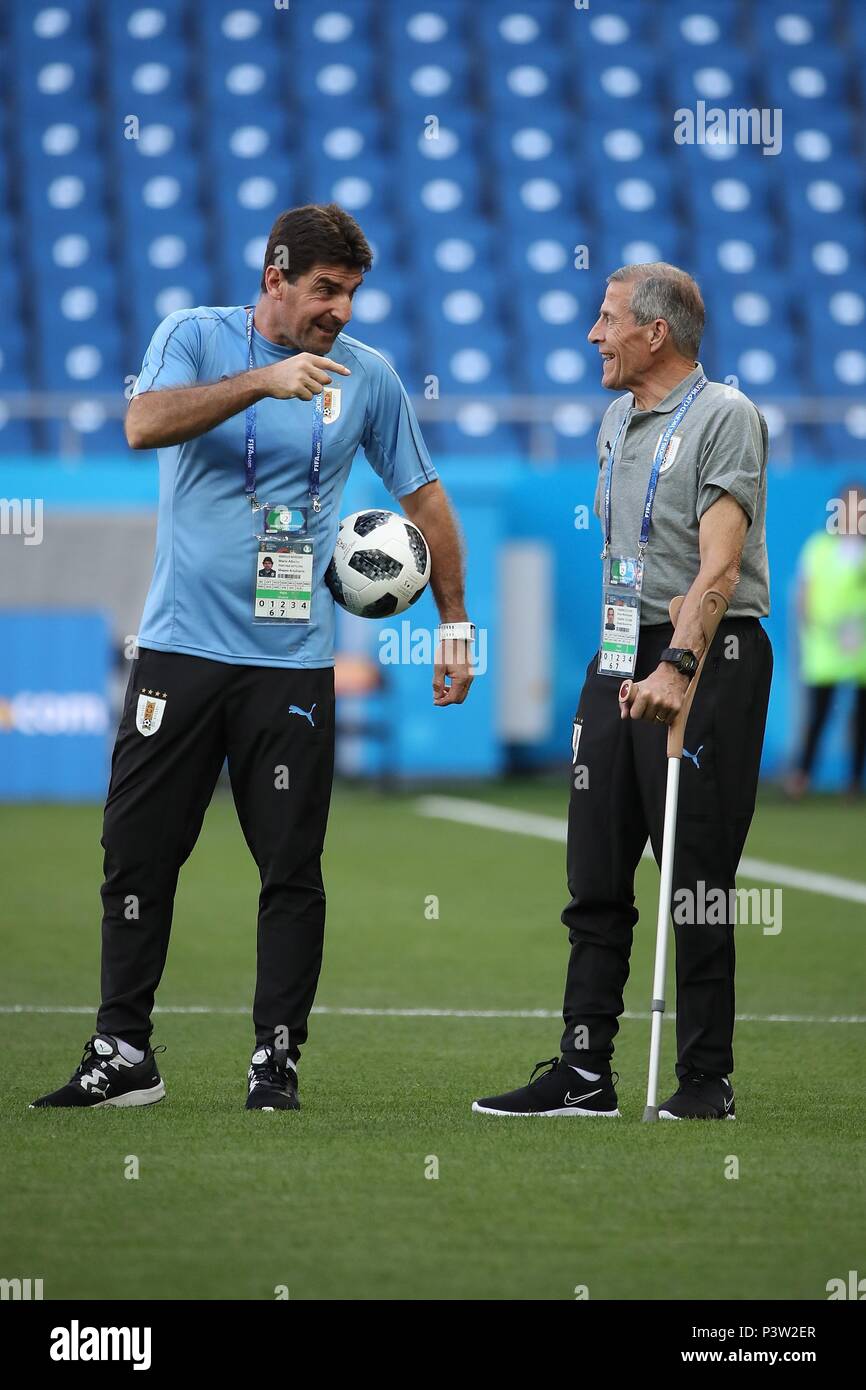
pixel 663 291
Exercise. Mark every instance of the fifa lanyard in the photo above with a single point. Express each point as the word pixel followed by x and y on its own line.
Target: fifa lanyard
pixel 250 449
pixel 658 460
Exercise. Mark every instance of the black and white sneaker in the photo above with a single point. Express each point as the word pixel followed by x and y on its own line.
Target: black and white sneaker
pixel 700 1097
pixel 104 1077
pixel 558 1091
pixel 273 1081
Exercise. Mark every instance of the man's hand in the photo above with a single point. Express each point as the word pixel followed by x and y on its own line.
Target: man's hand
pixel 452 659
pixel 301 377
pixel 156 419
pixel 658 698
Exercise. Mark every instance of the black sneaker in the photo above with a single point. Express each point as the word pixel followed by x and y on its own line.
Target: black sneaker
pixel 273 1081
pixel 104 1077
pixel 558 1091
pixel 700 1097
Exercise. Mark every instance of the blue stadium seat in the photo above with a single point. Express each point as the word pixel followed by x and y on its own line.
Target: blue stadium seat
pixel 423 87
pixel 727 80
pixel 841 252
pixel 735 255
pixel 335 33
pixel 601 36
pixel 443 145
pixel 612 149
pixel 629 85
pixel 748 304
pixel 326 80
pixel 558 306
pixel 453 250
pixel 86 361
pixel 395 343
pixel 530 88
pixel 426 31
pixel 538 254
pixel 810 83
pixel 241 32
pixel 53 87
pixel 47 141
pixel 35 26
pixel 818 137
pixel 725 192
pixel 156 296
pixel 517 29
pixel 543 136
pixel 145 28
pixel 145 85
pixel 80 194
pixel 443 199
pixel 819 202
pixel 635 240
pixel 646 191
pixel 558 360
pixel 783 29
pixel 698 33
pixel 525 196
pixel 479 429
pixel 836 310
pixel 325 136
pixel 68 305
pixel 465 362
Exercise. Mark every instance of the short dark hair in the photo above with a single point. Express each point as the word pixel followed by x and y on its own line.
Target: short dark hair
pixel 663 291
pixel 316 234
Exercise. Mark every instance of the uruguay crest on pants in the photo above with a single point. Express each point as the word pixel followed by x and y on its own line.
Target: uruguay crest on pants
pixel 148 715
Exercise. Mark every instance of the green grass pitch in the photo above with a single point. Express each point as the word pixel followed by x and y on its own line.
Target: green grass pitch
pixel 335 1202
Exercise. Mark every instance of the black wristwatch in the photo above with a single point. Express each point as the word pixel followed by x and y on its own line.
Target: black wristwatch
pixel 685 661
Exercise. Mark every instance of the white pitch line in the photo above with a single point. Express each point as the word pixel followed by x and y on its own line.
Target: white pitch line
pixel 234 1010
pixel 490 817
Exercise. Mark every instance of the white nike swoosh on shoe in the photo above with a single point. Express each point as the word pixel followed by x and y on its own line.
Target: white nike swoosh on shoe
pixel 574 1100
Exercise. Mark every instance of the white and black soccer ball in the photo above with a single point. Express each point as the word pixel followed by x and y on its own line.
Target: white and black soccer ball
pixel 381 564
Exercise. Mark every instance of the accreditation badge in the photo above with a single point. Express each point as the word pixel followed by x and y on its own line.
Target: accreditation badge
pixel 284 581
pixel 283 590
pixel 620 615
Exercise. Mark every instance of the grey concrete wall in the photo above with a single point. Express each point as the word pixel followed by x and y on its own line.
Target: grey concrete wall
pixel 86 560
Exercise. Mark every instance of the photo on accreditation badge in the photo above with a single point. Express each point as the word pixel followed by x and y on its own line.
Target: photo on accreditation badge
pixel 433 671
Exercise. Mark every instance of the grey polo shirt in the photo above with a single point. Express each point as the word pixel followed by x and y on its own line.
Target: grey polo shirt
pixel 720 446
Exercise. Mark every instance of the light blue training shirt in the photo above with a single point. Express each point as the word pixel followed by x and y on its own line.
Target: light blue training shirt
pixel 200 601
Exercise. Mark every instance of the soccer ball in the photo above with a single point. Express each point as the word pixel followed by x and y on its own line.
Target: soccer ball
pixel 381 564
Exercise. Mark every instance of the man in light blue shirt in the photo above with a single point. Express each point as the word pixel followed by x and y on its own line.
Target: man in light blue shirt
pixel 257 413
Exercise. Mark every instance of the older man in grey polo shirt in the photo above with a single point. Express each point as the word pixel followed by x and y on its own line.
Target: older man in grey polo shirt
pixel 705 447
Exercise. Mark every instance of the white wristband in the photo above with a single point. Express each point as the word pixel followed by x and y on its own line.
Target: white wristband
pixel 455 632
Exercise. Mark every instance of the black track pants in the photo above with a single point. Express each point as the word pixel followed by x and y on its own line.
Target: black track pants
pixel 160 789
pixel 625 769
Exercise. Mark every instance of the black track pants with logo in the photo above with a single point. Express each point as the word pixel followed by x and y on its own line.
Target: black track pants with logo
pixel 617 801
pixel 273 725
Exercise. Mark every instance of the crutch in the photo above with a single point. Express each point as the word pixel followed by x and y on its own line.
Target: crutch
pixel 712 610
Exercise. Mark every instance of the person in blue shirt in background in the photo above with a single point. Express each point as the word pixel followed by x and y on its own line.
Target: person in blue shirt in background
pixel 257 413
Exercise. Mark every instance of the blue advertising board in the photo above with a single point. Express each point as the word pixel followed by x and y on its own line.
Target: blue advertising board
pixel 54 705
